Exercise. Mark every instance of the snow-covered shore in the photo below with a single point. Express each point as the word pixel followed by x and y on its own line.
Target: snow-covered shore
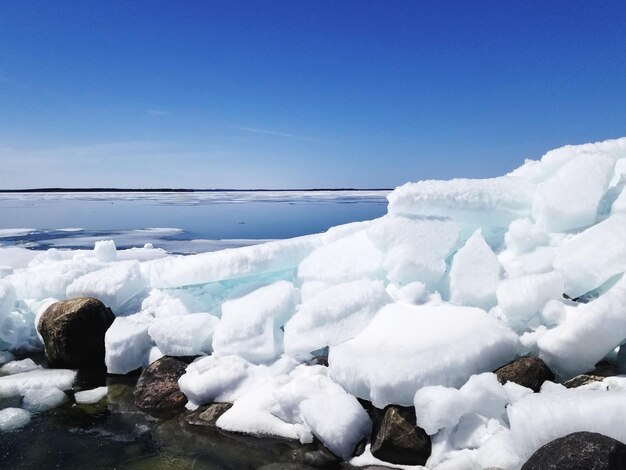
pixel 416 308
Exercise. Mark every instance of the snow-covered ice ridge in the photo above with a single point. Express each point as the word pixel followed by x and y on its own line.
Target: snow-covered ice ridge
pixel 415 308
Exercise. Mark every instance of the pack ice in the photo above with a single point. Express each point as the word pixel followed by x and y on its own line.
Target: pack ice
pixel 416 308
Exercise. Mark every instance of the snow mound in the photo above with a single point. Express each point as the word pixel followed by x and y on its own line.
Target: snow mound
pixel 250 326
pixel 407 347
pixel 496 201
pixel 333 316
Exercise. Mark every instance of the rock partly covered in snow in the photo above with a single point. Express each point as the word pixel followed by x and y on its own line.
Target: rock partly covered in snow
pixel 529 372
pixel 396 438
pixel 157 387
pixel 73 333
pixel 579 451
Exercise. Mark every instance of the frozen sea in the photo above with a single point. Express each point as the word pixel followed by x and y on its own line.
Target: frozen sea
pixel 179 222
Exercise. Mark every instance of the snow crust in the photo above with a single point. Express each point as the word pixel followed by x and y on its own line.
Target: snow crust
pixel 87 397
pixel 13 418
pixel 407 347
pixel 416 308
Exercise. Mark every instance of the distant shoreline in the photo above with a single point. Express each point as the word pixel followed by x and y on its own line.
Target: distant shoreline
pixel 176 190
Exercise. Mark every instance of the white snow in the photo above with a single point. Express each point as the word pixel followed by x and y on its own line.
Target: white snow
pixel 407 347
pixel 114 285
pixel 128 343
pixel 351 257
pixel 474 274
pixel 333 316
pixel 250 326
pixel 495 201
pixel 415 250
pixel 184 335
pixel 20 384
pixel 16 367
pixel 105 250
pixel 540 418
pixel 521 298
pixel 591 258
pixel 43 399
pixel 87 397
pixel 13 418
pixel 569 199
pixel 585 337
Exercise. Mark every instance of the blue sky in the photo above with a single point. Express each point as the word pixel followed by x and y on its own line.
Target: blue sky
pixel 300 94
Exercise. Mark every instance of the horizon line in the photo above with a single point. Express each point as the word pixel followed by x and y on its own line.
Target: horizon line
pixel 176 190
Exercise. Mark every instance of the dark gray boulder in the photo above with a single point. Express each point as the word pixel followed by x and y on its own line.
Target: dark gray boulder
pixel 73 333
pixel 530 372
pixel 396 438
pixel 579 451
pixel 157 387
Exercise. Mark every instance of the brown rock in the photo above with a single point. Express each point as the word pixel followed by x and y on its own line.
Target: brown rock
pixel 530 372
pixel 157 387
pixel 73 333
pixel 206 415
pixel 583 379
pixel 396 438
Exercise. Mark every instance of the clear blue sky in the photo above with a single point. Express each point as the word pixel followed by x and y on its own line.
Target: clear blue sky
pixel 300 93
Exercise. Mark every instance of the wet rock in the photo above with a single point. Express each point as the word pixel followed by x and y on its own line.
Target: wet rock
pixel 396 438
pixel 206 415
pixel 318 361
pixel 583 379
pixel 530 372
pixel 73 333
pixel 157 387
pixel 359 448
pixel 579 451
pixel 603 369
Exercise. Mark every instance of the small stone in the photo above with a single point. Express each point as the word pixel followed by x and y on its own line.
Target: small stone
pixel 582 379
pixel 73 333
pixel 530 372
pixel 579 451
pixel 398 440
pixel 157 387
pixel 206 415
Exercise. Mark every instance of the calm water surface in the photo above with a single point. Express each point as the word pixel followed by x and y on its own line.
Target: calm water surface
pixel 75 220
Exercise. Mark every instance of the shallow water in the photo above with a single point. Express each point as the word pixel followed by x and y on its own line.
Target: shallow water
pixel 115 434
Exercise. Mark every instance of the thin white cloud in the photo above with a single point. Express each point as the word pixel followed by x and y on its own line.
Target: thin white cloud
pixel 275 133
